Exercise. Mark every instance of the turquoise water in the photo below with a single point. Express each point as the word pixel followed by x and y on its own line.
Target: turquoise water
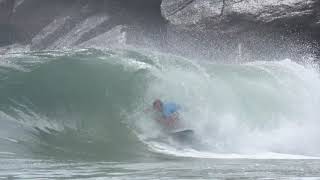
pixel 80 114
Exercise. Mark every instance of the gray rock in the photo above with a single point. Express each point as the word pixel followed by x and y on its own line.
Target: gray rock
pixel 56 36
pixel 6 29
pixel 114 38
pixel 216 28
pixel 191 12
pixel 271 10
pixel 219 29
pixel 6 7
pixel 56 24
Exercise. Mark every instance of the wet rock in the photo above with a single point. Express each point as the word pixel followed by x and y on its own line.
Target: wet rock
pixel 6 28
pixel 219 29
pixel 239 27
pixel 56 24
pixel 193 12
pixel 114 38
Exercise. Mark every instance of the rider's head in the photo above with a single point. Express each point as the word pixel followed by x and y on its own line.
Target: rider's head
pixel 157 105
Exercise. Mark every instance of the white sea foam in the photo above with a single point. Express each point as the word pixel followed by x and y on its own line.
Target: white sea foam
pixel 259 110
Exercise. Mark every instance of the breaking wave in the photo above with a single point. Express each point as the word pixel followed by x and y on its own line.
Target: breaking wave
pixel 90 104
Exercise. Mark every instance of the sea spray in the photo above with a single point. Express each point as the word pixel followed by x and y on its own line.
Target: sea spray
pixel 90 104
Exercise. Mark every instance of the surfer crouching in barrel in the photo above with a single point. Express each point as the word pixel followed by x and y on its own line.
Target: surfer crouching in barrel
pixel 168 115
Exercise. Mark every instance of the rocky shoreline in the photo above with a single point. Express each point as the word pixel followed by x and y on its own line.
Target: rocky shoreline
pixel 220 29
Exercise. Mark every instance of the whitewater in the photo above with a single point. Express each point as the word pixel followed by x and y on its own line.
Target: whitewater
pixel 79 114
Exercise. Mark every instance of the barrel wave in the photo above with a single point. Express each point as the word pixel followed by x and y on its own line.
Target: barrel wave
pixel 90 104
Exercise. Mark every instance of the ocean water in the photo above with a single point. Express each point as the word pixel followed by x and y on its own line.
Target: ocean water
pixel 81 115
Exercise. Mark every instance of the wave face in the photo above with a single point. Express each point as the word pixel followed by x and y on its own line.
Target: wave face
pixel 89 104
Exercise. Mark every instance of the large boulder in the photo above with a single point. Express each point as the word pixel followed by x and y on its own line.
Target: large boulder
pixel 195 12
pixel 243 27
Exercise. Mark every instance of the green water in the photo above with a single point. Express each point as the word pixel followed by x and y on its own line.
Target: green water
pixel 80 115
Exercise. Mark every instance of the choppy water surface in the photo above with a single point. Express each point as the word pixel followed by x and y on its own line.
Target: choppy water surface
pixel 160 169
pixel 80 115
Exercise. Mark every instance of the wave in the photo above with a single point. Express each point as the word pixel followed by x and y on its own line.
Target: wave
pixel 89 104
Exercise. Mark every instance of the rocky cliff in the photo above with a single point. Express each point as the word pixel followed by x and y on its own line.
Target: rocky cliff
pixel 220 29
pixel 51 24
